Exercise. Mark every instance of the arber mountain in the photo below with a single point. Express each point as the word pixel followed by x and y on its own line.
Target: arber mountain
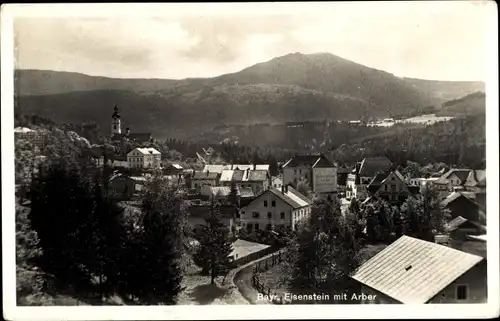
pixel 294 87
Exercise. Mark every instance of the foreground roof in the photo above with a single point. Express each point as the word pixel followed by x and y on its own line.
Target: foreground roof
pixel 413 271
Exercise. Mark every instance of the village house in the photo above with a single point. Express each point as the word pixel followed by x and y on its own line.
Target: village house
pixel 146 158
pixel 38 138
pixel 207 178
pixel 275 210
pixel 454 179
pixel 391 187
pixel 426 272
pixel 476 183
pixel 173 169
pixel 463 204
pixel 316 169
pixel 364 172
pixel 277 182
pixel 257 180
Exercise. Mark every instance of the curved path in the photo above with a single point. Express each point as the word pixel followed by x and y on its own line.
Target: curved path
pixel 242 279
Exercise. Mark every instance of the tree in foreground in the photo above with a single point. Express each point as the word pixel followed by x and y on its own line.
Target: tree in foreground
pixel 327 250
pixel 160 243
pixel 425 216
pixel 215 245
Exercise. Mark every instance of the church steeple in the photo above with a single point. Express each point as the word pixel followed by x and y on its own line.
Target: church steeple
pixel 116 127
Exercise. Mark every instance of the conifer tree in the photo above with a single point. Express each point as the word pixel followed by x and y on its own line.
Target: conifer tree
pixel 161 243
pixel 213 255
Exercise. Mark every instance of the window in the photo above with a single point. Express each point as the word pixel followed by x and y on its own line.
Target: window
pixel 282 215
pixel 265 203
pixel 273 203
pixel 269 214
pixel 255 214
pixel 385 187
pixel 249 227
pixel 256 226
pixel 462 292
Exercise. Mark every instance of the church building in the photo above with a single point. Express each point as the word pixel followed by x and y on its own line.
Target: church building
pixel 118 136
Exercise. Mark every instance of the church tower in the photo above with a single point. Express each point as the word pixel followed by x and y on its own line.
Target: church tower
pixel 116 126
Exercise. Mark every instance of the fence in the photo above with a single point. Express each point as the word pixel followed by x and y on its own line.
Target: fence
pixel 263 266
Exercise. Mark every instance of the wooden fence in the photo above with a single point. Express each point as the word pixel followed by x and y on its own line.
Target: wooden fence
pixel 263 266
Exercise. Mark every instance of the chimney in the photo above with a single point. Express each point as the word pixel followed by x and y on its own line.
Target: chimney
pixel 283 189
pixel 254 166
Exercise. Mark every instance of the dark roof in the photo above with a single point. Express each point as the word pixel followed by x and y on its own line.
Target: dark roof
pixel 344 170
pixel 371 165
pixel 205 175
pixel 116 114
pixel 476 178
pixel 312 160
pixel 377 179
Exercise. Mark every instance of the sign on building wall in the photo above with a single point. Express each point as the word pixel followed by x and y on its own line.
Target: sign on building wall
pixel 324 180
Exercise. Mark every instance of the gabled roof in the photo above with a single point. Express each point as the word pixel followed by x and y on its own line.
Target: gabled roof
pixel 205 175
pixel 310 160
pixel 246 192
pixel 455 195
pixel 476 178
pixel 413 271
pixel 378 179
pixel 461 173
pixel 292 197
pixel 215 168
pixel 146 151
pixel 371 165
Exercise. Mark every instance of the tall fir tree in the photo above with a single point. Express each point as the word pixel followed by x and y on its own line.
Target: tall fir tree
pixel 161 243
pixel 215 245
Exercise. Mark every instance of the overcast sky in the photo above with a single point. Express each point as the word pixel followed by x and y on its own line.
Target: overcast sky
pixel 438 40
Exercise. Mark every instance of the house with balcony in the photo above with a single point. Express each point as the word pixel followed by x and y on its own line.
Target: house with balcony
pixel 277 210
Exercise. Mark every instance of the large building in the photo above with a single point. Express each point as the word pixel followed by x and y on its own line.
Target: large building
pixel 146 158
pixel 118 136
pixel 391 187
pixel 316 169
pixel 454 179
pixel 413 271
pixel 275 209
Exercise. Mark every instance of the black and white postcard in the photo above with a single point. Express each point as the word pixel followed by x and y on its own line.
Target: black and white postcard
pixel 250 160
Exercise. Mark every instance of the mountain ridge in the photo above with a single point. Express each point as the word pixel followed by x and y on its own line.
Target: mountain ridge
pixel 294 87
